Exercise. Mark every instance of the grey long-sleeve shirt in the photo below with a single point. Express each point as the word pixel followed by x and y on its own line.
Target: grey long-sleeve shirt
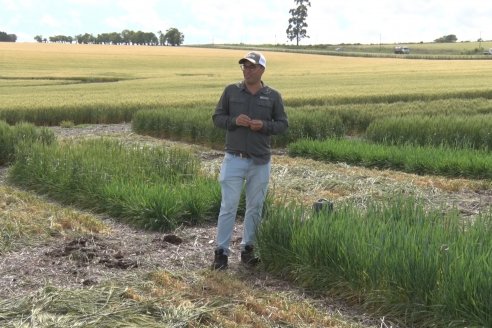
pixel 265 105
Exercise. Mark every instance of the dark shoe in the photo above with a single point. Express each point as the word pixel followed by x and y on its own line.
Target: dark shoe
pixel 220 260
pixel 248 256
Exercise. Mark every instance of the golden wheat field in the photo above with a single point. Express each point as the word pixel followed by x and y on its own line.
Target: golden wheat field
pixel 56 75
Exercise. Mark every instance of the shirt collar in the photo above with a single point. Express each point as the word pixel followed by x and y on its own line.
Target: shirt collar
pixel 243 86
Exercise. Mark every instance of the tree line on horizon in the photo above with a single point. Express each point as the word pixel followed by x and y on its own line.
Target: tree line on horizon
pixel 172 37
pixel 5 37
pixel 296 30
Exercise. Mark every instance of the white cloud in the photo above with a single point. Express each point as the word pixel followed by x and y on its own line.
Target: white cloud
pixel 9 5
pixel 24 37
pixel 227 21
pixel 116 23
pixel 392 21
pixel 140 15
pixel 88 2
pixel 256 21
pixel 50 21
pixel 16 5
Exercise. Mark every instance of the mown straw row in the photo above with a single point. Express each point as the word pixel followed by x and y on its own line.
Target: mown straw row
pixel 105 307
pixel 423 268
pixel 25 220
pixel 167 299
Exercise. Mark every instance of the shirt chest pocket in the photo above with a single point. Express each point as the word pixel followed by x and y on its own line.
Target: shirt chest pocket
pixel 263 109
pixel 237 106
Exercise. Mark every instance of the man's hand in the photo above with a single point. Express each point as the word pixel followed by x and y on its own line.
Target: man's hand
pixel 255 125
pixel 243 120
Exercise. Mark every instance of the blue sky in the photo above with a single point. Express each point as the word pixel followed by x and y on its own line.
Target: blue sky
pixel 253 21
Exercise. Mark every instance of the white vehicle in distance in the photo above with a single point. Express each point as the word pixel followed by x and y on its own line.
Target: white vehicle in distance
pixel 402 50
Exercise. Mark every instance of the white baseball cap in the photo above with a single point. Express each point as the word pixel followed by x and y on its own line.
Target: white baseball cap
pixel 255 58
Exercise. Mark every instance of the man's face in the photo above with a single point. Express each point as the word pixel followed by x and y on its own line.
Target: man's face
pixel 252 73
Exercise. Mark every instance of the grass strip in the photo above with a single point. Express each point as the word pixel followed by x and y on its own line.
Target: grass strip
pixel 195 125
pixel 422 267
pixel 459 121
pixel 150 187
pixel 10 136
pixel 190 125
pixel 439 130
pixel 443 161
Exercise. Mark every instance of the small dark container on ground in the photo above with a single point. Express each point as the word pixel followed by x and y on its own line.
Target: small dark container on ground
pixel 322 205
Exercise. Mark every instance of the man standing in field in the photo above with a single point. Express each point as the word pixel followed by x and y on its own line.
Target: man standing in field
pixel 250 112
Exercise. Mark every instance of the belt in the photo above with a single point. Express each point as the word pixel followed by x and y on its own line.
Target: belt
pixel 238 154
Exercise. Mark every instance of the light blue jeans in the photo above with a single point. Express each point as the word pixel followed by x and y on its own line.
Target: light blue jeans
pixel 234 173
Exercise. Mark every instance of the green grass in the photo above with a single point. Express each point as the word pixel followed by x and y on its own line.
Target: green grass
pixel 324 121
pixel 445 161
pixel 149 187
pixel 190 125
pixel 418 266
pixel 441 130
pixel 11 136
pixel 195 125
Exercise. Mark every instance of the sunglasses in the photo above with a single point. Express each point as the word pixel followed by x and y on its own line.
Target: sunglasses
pixel 248 67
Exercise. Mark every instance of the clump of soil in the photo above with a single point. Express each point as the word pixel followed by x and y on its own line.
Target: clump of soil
pixel 84 251
pixel 87 260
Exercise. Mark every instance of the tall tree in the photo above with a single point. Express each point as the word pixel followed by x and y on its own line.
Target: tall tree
pixel 174 37
pixel 127 36
pixel 297 23
pixel 447 39
pixel 61 39
pixel 85 38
